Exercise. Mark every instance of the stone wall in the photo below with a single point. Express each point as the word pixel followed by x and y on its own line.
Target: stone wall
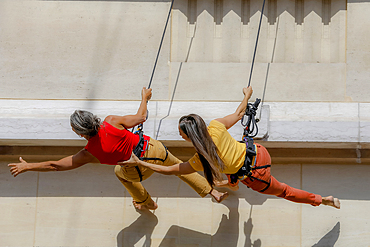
pixel 81 54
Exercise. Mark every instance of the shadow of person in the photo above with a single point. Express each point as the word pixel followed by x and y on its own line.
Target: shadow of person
pixel 251 196
pixel 248 226
pixel 254 197
pixel 330 238
pixel 227 233
pixel 141 227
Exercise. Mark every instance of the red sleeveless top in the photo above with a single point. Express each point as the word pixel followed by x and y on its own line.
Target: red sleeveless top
pixel 111 145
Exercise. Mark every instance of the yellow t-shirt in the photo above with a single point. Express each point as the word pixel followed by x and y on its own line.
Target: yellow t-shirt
pixel 230 151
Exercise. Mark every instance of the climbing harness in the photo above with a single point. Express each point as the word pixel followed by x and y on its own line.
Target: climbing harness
pixel 245 171
pixel 139 152
pixel 250 131
pixel 249 122
pixel 251 127
pixel 139 149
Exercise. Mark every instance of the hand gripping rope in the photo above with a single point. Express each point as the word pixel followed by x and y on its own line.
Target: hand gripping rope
pixel 250 126
pixel 250 112
pixel 138 150
pixel 140 126
pixel 249 122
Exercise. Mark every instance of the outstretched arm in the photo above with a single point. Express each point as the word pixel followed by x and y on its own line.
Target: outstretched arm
pixel 129 121
pixel 177 169
pixel 231 119
pixel 68 163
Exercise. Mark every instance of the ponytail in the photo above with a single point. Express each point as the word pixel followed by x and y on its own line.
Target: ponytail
pixel 195 128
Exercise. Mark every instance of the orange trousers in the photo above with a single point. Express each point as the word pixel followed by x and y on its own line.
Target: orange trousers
pixel 275 188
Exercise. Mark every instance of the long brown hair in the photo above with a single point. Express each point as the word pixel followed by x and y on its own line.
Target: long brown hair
pixel 195 128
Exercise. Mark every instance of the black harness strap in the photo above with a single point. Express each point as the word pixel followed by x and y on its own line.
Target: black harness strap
pixel 268 183
pixel 260 167
pixel 139 172
pixel 163 160
pixel 140 145
pixel 246 169
pixel 138 151
pixel 261 180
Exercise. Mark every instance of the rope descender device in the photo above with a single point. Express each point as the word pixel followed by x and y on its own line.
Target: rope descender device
pixel 249 121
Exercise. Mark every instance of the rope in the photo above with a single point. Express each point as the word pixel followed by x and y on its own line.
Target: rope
pixel 250 126
pixel 141 126
pixel 255 47
pixel 268 68
pixel 160 45
pixel 177 80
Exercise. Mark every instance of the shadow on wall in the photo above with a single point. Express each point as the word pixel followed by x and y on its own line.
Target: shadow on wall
pixel 326 9
pixel 330 238
pixel 95 180
pixel 227 233
pixel 142 227
pixel 245 9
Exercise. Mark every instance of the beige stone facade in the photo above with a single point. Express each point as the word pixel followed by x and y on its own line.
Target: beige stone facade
pixel 58 56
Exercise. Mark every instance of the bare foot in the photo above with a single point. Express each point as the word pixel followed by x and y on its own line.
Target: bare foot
pixel 149 206
pixel 218 196
pixel 225 184
pixel 331 201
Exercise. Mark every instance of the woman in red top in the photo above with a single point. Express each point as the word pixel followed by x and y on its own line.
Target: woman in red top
pixel 110 142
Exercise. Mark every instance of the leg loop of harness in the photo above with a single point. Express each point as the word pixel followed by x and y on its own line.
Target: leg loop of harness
pixel 268 185
pixel 245 170
pixel 260 167
pixel 163 160
pixel 139 149
pixel 139 172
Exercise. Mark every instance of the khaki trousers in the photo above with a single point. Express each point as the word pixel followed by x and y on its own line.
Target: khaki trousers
pixel 129 177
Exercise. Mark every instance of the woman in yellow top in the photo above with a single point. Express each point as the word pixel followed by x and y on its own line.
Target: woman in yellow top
pixel 218 152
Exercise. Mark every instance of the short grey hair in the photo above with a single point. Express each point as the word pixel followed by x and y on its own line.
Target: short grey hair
pixel 85 123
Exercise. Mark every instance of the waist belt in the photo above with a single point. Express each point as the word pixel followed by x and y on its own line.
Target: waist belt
pixel 139 152
pixel 246 170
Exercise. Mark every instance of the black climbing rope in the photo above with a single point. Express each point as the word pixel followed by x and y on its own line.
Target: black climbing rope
pixel 249 122
pixel 139 131
pixel 160 45
pixel 255 46
pixel 141 126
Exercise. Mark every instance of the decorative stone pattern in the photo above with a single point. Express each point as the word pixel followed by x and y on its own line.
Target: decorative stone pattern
pixel 282 121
